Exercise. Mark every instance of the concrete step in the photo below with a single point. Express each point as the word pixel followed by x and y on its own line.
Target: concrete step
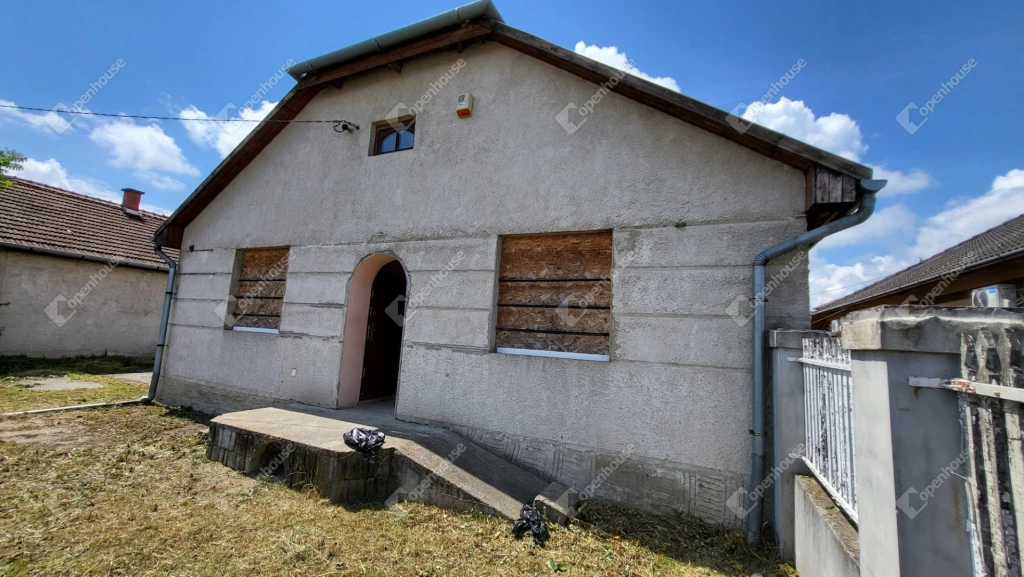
pixel 302 444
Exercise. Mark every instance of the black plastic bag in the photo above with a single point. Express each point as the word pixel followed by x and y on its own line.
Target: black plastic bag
pixel 530 520
pixel 365 441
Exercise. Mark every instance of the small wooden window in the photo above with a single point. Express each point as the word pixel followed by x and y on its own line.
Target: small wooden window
pixel 394 136
pixel 555 294
pixel 260 293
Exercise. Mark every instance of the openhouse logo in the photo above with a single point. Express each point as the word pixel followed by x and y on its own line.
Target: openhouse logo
pixel 913 117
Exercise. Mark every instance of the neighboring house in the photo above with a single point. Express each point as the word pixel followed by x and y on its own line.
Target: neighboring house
pixel 78 275
pixel 993 257
pixel 576 283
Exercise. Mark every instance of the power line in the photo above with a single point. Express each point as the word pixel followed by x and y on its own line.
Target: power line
pixel 343 124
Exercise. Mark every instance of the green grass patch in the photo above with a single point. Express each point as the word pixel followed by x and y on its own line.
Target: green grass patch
pixel 22 366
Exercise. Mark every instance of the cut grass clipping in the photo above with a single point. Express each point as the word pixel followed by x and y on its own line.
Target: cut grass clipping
pixel 136 496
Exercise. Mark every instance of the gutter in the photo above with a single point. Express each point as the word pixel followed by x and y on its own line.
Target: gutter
pixel 81 256
pixel 165 314
pixel 867 189
pixel 449 19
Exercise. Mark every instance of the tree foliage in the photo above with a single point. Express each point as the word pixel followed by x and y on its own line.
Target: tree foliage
pixel 10 160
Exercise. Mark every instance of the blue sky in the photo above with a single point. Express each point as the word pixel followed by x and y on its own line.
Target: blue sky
pixel 959 173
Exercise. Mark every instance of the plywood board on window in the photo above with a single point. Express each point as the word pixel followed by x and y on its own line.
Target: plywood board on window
pixel 559 342
pixel 554 293
pixel 264 264
pixel 562 319
pixel 596 293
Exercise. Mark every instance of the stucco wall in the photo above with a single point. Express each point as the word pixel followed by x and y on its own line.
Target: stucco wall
pixel 689 211
pixel 119 313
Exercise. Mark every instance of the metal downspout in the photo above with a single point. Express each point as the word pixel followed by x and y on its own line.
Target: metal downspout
pixel 867 189
pixel 172 268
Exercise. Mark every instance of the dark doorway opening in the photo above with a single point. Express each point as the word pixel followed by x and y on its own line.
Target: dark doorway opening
pixel 383 351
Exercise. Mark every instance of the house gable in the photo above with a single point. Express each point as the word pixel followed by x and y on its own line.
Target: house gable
pixel 829 182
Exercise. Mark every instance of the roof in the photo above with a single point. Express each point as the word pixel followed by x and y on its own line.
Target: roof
pixel 474 22
pixel 39 218
pixel 995 243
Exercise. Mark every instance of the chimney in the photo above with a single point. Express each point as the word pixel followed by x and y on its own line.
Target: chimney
pixel 131 200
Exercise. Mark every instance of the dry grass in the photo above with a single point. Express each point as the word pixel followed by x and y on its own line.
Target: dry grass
pixel 140 498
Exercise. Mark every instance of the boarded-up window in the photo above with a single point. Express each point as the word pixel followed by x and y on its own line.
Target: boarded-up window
pixel 555 293
pixel 260 293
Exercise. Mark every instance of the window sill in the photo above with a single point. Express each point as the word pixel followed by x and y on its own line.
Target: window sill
pixel 555 354
pixel 255 330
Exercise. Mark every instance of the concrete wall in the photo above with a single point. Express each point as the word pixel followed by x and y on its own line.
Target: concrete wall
pixel 909 439
pixel 788 433
pixel 826 542
pixel 689 211
pixel 119 315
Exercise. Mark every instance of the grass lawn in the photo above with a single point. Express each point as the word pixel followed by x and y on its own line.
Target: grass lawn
pixel 16 374
pixel 128 491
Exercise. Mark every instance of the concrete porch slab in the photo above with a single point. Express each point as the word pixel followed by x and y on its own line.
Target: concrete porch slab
pixel 418 462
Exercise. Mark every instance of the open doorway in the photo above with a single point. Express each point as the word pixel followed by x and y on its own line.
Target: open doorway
pixel 372 342
pixel 383 350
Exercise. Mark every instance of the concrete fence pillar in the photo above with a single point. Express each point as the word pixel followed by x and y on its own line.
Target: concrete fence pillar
pixel 912 497
pixel 787 382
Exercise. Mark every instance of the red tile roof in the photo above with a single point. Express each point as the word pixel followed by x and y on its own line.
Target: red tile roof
pixel 37 216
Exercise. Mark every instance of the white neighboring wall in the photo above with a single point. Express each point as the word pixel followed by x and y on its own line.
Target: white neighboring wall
pixel 119 315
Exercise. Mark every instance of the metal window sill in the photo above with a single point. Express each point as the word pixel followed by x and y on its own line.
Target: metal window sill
pixel 554 354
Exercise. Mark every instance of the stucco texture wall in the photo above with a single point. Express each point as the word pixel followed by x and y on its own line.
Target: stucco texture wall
pixel 118 314
pixel 688 211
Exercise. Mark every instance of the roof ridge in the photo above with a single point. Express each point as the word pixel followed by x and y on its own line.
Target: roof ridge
pixel 81 195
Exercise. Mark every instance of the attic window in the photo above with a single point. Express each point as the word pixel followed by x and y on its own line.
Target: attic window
pixel 259 296
pixel 554 295
pixel 394 136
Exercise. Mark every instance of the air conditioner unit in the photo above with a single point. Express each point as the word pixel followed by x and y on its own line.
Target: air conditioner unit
pixel 995 296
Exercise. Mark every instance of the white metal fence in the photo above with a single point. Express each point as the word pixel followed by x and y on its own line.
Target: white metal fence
pixel 828 396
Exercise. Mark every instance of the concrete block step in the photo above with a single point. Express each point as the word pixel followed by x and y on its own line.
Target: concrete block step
pixel 420 463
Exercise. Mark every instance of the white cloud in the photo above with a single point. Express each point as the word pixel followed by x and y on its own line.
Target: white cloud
pixel 54 174
pixel 830 281
pixel 46 172
pixel 44 122
pixel 965 219
pixel 894 223
pixel 143 147
pixel 837 133
pixel 902 182
pixel 958 222
pixel 161 181
pixel 223 136
pixel 611 56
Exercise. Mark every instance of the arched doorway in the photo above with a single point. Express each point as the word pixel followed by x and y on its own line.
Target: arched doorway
pixel 374 318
